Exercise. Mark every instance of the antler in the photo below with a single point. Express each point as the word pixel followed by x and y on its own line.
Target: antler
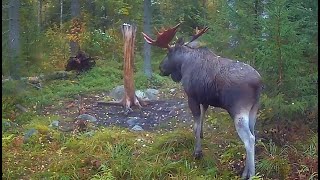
pixel 198 33
pixel 163 38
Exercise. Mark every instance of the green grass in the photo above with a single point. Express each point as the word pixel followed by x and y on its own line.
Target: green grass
pixel 121 154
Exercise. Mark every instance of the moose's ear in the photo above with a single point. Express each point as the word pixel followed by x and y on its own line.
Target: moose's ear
pixel 180 42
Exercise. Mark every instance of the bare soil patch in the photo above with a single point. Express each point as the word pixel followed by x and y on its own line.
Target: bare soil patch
pixel 167 113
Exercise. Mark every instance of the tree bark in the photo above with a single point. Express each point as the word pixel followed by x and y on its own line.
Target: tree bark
pixel 39 14
pixel 130 98
pixel 146 47
pixel 61 13
pixel 14 38
pixel 75 13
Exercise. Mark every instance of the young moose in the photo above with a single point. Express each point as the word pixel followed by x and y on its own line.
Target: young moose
pixel 209 79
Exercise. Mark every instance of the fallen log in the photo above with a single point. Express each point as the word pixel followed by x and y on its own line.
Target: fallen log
pixel 42 77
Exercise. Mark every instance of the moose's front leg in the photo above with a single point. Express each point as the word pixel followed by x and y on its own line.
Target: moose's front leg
pixel 195 109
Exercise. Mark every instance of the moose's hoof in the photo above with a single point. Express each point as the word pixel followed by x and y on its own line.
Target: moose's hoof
pixel 246 176
pixel 198 155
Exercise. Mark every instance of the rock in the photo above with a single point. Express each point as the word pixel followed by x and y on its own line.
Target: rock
pixel 54 124
pixel 137 128
pixel 132 121
pixel 28 134
pixel 152 94
pixel 140 94
pixel 117 93
pixel 6 123
pixel 172 90
pixel 87 117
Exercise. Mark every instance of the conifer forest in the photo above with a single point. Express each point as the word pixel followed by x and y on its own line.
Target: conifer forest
pixel 86 93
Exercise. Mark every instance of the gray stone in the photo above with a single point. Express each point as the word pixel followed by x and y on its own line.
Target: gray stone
pixel 140 94
pixel 172 90
pixel 28 134
pixel 54 124
pixel 152 94
pixel 137 128
pixel 87 117
pixel 6 123
pixel 132 121
pixel 117 93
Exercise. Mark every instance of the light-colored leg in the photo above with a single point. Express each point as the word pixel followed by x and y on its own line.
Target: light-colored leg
pixel 253 117
pixel 241 121
pixel 252 121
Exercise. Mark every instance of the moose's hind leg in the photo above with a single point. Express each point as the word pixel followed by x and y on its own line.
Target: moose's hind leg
pixel 253 117
pixel 241 121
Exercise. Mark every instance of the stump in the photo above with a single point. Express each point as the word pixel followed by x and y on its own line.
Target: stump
pixel 129 99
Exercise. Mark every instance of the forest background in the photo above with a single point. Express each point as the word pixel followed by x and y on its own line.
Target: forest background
pixel 279 38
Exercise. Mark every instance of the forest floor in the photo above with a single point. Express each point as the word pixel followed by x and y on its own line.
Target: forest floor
pixel 154 143
pixel 166 114
pixel 150 117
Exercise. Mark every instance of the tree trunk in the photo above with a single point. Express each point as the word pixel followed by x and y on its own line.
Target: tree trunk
pixel 39 14
pixel 75 13
pixel 61 13
pixel 91 7
pixel 130 98
pixel 146 28
pixel 14 38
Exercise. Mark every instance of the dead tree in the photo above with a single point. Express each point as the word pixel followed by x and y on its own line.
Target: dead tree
pixel 129 35
pixel 129 99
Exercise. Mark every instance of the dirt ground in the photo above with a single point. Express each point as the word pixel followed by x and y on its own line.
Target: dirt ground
pixel 168 113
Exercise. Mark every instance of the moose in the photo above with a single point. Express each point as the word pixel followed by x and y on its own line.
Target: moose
pixel 211 80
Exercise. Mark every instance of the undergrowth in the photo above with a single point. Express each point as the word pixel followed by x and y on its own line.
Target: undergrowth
pixel 117 153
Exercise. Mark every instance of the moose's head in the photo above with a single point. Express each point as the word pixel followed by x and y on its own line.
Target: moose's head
pixel 170 65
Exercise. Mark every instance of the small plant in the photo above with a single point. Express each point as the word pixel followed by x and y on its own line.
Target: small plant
pixel 311 149
pixel 275 163
pixel 175 141
pixel 257 177
pixel 105 174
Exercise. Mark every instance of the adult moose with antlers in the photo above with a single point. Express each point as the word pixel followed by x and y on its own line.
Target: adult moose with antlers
pixel 209 79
